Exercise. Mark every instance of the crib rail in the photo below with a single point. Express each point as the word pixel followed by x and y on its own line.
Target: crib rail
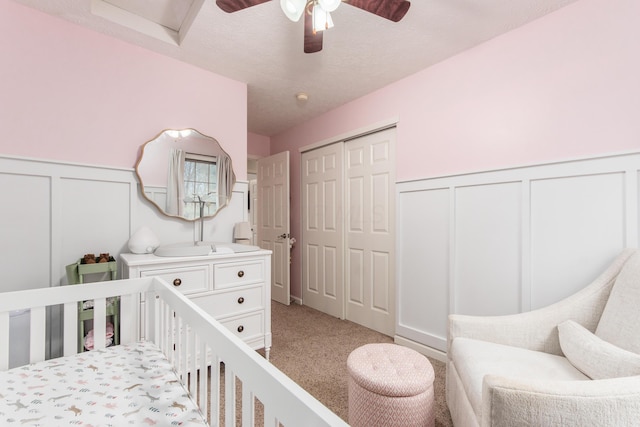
pixel 38 300
pixel 176 321
pixel 191 339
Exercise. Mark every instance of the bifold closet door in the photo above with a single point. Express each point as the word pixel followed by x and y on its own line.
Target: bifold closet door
pixel 369 230
pixel 322 229
pixel 348 221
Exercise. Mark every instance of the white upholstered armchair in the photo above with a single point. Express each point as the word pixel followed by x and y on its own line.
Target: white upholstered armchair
pixel 573 363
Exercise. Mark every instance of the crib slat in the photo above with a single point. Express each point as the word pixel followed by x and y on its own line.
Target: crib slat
pixel 165 335
pixel 214 392
pixel 269 418
pixel 99 323
pixel 248 410
pixel 229 397
pixel 4 341
pixel 182 346
pixel 37 334
pixel 170 335
pixel 128 319
pixel 193 353
pixel 204 378
pixel 70 329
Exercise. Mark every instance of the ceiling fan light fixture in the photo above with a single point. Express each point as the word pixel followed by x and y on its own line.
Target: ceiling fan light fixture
pixel 321 18
pixel 293 8
pixel 329 5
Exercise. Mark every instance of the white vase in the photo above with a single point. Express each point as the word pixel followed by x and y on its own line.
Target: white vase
pixel 143 241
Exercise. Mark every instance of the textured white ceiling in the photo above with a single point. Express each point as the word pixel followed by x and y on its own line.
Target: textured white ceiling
pixel 168 13
pixel 261 47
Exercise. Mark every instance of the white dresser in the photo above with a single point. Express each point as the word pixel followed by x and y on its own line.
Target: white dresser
pixel 235 288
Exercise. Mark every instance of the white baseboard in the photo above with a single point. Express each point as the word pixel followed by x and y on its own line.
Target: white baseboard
pixel 421 348
pixel 296 300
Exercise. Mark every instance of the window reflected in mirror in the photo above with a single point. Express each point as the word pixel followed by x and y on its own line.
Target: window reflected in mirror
pixel 200 183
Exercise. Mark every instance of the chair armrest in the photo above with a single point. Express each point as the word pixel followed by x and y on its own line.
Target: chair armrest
pixel 520 402
pixel 537 329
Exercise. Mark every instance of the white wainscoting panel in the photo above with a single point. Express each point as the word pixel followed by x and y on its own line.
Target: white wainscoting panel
pixel 487 234
pixel 423 265
pixel 25 231
pixel 53 213
pixel 508 241
pixel 95 216
pixel 576 224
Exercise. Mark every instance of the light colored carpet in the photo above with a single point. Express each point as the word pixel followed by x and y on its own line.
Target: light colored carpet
pixel 312 347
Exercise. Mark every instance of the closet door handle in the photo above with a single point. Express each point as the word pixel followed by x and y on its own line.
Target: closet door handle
pixel 240 328
pixel 240 273
pixel 177 282
pixel 240 300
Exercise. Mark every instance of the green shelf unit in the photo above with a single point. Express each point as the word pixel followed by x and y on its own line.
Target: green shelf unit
pixel 75 276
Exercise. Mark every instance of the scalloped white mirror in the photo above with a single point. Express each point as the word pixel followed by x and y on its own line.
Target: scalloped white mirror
pixel 185 174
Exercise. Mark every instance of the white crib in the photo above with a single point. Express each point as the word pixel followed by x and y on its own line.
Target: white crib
pixel 181 330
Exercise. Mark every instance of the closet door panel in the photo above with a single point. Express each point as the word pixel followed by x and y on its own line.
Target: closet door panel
pixel 355 281
pixel 370 201
pixel 312 275
pixel 322 234
pixel 330 276
pixel 380 275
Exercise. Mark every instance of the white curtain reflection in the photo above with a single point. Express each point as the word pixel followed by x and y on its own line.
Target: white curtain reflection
pixel 225 181
pixel 175 184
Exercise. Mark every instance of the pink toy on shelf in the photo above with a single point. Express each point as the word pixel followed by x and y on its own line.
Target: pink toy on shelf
pixel 88 340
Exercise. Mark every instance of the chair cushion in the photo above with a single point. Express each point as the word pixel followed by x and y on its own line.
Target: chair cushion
pixel 593 356
pixel 473 359
pixel 620 320
pixel 390 370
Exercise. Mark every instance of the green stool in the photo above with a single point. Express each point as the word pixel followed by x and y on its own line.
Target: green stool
pixel 75 276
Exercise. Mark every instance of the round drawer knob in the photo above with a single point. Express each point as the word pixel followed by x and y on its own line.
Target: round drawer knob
pixel 240 300
pixel 177 282
pixel 240 328
pixel 240 273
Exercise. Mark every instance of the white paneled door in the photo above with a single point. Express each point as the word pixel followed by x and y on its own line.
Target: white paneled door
pixel 273 220
pixel 348 221
pixel 322 236
pixel 369 230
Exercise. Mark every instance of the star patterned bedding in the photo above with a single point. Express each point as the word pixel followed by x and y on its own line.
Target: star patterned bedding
pixel 123 385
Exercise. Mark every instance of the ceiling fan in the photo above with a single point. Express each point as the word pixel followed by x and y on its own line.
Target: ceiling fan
pixel 317 13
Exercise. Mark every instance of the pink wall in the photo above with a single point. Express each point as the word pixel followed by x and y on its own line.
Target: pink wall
pixel 72 94
pixel 258 145
pixel 565 86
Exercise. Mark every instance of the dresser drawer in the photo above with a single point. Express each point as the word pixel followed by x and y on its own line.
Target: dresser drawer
pixel 231 302
pixel 237 273
pixel 187 280
pixel 246 327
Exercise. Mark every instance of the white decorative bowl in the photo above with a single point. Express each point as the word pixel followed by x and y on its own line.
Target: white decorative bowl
pixel 143 241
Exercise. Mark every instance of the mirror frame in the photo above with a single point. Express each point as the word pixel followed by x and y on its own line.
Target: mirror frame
pixel 177 138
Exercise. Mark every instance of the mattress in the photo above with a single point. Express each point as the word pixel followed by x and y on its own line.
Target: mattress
pixel 130 384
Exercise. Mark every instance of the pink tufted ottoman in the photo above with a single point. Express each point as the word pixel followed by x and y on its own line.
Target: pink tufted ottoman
pixel 390 385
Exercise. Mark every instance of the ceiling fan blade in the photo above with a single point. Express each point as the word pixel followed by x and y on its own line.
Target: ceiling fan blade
pixel 236 5
pixel 393 10
pixel 312 42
